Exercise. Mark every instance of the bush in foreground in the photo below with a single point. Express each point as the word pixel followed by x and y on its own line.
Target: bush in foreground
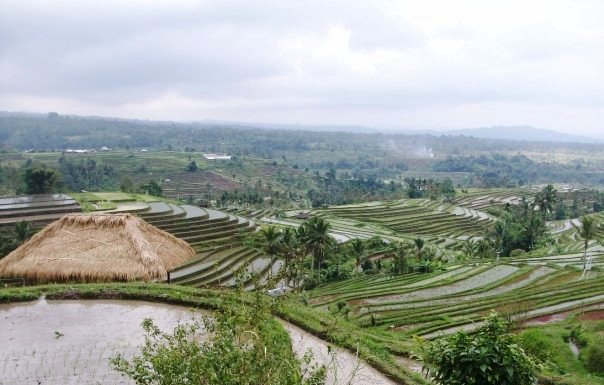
pixel 239 345
pixel 490 357
pixel 594 359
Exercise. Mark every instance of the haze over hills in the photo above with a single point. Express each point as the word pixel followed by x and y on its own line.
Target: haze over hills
pixel 522 133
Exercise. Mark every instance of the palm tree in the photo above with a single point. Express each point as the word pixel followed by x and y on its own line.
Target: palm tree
pixel 419 246
pixel 398 252
pixel 587 231
pixel 469 248
pixel 484 248
pixel 287 248
pixel 318 239
pixel 272 238
pixel 545 199
pixel 533 228
pixel 22 232
pixel 357 248
pixel 498 234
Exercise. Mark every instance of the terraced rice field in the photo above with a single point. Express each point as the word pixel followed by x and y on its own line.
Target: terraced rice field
pixel 444 302
pixel 443 226
pixel 482 200
pixel 38 209
pixel 199 184
pixel 568 240
pixel 417 217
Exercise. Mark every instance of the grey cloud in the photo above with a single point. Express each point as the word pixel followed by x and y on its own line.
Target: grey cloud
pixel 245 56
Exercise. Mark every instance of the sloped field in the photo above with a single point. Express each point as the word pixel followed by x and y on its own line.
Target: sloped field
pixel 458 298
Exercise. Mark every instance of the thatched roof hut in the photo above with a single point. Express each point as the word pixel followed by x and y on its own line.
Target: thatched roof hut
pixel 97 248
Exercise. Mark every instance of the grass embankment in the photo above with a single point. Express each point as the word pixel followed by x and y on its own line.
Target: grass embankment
pixel 551 344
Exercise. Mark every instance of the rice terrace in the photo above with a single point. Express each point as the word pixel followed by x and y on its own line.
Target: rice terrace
pixel 370 277
pixel 301 193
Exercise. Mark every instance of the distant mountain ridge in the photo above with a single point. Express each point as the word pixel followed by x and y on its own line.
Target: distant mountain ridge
pixel 513 133
pixel 522 133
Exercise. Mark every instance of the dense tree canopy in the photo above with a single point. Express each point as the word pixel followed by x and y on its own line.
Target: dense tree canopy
pixel 39 180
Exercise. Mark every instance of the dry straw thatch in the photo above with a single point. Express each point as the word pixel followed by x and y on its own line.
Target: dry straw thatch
pixel 97 248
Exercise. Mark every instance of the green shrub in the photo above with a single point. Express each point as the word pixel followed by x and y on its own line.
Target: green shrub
pixel 577 335
pixel 594 358
pixel 491 357
pixel 245 346
pixel 537 344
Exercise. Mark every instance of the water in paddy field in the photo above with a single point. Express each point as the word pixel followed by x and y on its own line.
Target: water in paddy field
pixel 71 342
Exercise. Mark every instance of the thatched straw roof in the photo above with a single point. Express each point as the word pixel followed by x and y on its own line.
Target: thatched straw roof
pixel 93 248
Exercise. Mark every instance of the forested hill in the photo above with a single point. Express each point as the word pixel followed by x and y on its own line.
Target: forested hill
pixel 56 132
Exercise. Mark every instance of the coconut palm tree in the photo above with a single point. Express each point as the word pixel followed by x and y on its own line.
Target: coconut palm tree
pixel 419 246
pixel 469 248
pixel 272 237
pixel 484 248
pixel 398 252
pixel 357 248
pixel 287 247
pixel 318 240
pixel 587 231
pixel 21 232
pixel 533 228
pixel 498 235
pixel 545 200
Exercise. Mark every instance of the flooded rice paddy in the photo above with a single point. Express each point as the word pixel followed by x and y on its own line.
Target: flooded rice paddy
pixel 71 342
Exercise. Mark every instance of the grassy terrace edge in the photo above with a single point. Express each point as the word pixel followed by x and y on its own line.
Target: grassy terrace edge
pixel 376 351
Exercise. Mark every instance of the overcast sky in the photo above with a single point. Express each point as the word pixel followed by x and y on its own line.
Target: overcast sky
pixel 415 64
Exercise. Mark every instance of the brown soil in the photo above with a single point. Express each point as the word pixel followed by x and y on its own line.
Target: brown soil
pixel 595 315
pixel 548 318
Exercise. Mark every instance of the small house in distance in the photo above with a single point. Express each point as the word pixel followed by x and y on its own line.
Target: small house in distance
pixel 217 156
pixel 97 248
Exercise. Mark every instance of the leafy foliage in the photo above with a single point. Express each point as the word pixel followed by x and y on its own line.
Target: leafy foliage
pixel 520 227
pixel 151 188
pixel 241 345
pixel 39 180
pixel 587 231
pixel 491 357
pixel 594 359
pixel 15 238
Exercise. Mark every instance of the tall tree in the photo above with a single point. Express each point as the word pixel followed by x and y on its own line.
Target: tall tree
pixel 271 237
pixel 357 249
pixel 287 246
pixel 300 254
pixel 398 252
pixel 419 247
pixel 533 228
pixel 545 200
pixel 318 239
pixel 587 231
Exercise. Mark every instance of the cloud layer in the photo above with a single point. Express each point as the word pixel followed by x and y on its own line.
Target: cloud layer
pixel 436 64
